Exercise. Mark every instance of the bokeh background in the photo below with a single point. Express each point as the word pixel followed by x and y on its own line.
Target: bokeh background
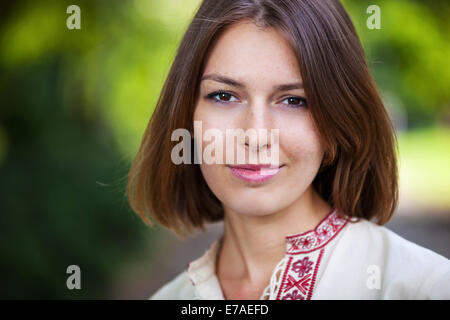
pixel 75 104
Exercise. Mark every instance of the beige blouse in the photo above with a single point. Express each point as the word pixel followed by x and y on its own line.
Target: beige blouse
pixel 341 258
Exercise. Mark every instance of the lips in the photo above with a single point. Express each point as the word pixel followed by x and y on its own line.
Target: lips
pixel 255 173
pixel 254 167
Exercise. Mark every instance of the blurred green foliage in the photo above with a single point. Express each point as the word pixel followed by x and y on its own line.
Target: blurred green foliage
pixel 75 103
pixel 409 55
pixel 424 167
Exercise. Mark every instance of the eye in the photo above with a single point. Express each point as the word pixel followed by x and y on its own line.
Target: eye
pixel 221 97
pixel 295 102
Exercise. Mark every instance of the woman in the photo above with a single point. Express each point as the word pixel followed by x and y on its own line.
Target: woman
pixel 309 224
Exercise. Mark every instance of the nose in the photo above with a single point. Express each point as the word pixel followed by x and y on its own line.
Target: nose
pixel 257 118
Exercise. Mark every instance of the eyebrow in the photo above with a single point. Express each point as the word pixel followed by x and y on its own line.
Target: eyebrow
pixel 234 83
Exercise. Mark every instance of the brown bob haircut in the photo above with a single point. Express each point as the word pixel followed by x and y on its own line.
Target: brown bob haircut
pixel 358 175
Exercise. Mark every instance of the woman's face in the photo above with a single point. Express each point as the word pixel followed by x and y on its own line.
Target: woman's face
pixel 260 61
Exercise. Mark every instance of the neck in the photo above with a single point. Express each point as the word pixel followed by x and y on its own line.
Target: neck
pixel 253 245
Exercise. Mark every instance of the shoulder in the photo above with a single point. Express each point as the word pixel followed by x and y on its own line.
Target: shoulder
pixel 179 288
pixel 397 247
pixel 409 270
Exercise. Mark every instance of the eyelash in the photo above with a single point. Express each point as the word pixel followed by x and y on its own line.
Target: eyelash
pixel 211 96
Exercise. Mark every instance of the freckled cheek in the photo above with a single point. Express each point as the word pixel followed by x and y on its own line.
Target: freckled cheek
pixel 301 145
pixel 210 131
pixel 217 121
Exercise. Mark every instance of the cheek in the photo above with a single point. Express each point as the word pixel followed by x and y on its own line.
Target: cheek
pixel 300 141
pixel 212 173
pixel 302 146
pixel 213 123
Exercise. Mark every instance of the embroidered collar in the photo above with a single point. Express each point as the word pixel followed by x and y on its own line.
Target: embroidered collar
pixel 315 239
pixel 202 271
pixel 295 275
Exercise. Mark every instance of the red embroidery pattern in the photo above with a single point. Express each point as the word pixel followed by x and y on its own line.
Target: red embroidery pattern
pixel 299 276
pixel 313 282
pixel 317 238
pixel 302 266
pixel 299 279
pixel 294 295
pixel 301 284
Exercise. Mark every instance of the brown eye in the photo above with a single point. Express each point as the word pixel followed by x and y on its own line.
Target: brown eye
pixel 296 102
pixel 221 97
pixel 224 96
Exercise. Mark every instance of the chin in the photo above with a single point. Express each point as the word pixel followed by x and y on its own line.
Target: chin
pixel 251 206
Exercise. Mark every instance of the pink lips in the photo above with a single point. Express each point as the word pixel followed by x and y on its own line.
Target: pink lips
pixel 254 172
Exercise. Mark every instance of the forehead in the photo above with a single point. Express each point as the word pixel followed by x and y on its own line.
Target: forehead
pixel 248 53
